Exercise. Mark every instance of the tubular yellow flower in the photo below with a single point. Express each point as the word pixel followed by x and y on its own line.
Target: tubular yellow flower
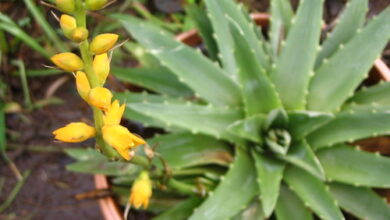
pixel 141 191
pixel 79 34
pixel 68 61
pixel 74 132
pixel 82 85
pixel 121 139
pixel 101 67
pixel 68 24
pixel 103 43
pixel 94 5
pixel 100 97
pixel 66 6
pixel 114 114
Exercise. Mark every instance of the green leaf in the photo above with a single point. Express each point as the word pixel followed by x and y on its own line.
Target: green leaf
pixel 180 211
pixel 300 154
pixel 301 123
pixel 199 73
pixel 258 92
pixel 222 36
pixel 158 79
pixel 313 192
pixel 181 150
pixel 95 163
pixel 203 25
pixel 335 80
pixel 349 23
pixel 9 26
pixel 360 201
pixel 195 118
pixel 295 63
pixel 377 94
pixel 290 207
pixel 281 16
pixel 228 198
pixel 47 28
pixel 143 57
pixel 249 128
pixel 350 126
pixel 253 36
pixel 269 177
pixel 253 211
pixel 348 165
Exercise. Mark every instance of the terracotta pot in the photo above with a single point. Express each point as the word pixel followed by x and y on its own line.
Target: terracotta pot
pixel 110 209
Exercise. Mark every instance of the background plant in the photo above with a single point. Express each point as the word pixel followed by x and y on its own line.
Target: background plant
pixel 287 105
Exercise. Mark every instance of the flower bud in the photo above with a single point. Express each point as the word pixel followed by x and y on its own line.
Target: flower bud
pixel 121 139
pixel 74 132
pixel 114 114
pixel 101 67
pixel 82 85
pixel 68 24
pixel 66 6
pixel 141 191
pixel 103 43
pixel 94 5
pixel 79 34
pixel 100 97
pixel 67 61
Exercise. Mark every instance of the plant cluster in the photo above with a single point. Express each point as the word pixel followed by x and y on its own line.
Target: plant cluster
pixel 288 104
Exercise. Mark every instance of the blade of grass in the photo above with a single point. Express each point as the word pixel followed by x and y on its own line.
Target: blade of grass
pixel 23 79
pixel 3 42
pixel 11 197
pixel 41 20
pixel 9 26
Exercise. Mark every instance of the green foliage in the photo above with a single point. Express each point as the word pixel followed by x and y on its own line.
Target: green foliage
pixel 286 104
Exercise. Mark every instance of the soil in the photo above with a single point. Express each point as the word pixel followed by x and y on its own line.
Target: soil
pixel 50 190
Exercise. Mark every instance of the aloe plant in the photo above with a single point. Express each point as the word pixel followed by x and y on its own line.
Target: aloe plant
pixel 287 104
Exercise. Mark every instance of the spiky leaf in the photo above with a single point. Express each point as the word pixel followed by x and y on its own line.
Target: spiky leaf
pixel 335 80
pixel 258 92
pixel 349 127
pixel 181 150
pixel 313 192
pixel 377 94
pixel 361 202
pixel 301 123
pixel 158 79
pixel 269 176
pixel 345 164
pixel 253 211
pixel 180 211
pixel 199 73
pixel 249 128
pixel 300 154
pixel 220 205
pixel 296 61
pixel 290 207
pixel 350 21
pixel 196 118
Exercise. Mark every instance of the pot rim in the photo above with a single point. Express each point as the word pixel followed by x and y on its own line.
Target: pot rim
pixel 109 208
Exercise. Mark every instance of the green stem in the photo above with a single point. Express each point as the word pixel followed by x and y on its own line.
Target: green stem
pixel 23 79
pixel 87 57
pixel 14 191
pixel 183 188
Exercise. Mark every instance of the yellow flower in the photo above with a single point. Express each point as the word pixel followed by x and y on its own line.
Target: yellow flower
pixel 68 61
pixel 94 5
pixel 66 6
pixel 114 114
pixel 141 191
pixel 100 97
pixel 103 43
pixel 68 24
pixel 74 132
pixel 101 67
pixel 121 139
pixel 82 85
pixel 79 34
